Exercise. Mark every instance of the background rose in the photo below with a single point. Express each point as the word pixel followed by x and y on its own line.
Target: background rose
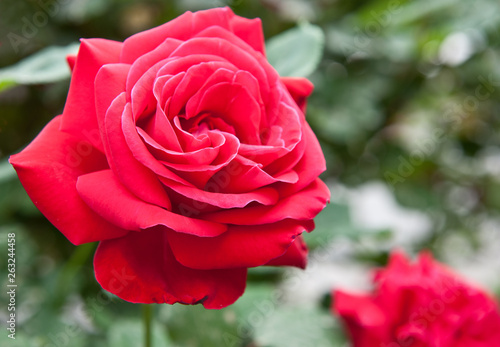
pixel 421 304
pixel 184 153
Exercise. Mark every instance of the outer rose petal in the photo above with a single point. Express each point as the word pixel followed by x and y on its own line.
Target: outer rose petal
pixel 48 169
pixel 250 31
pixel 299 88
pixel 311 200
pixel 295 255
pixel 109 83
pixel 239 246
pixel 103 192
pixel 309 167
pixel 71 59
pixel 188 25
pixel 79 115
pixel 140 268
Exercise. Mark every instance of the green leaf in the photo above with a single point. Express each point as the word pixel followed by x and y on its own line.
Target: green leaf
pixel 129 333
pixel 46 66
pixel 296 52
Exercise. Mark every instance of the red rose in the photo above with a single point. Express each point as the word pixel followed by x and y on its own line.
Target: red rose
pixel 185 154
pixel 419 305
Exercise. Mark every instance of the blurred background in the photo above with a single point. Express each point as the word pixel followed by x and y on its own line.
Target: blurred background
pixel 406 107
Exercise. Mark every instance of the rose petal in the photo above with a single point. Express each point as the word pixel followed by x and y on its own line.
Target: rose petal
pixel 195 78
pixel 139 149
pixel 309 167
pixel 142 91
pixel 48 169
pixel 264 196
pixel 187 25
pixel 295 255
pixel 210 80
pixel 246 79
pixel 199 174
pixel 161 130
pixel 311 200
pixel 190 142
pixel 103 193
pixel 239 246
pixel 299 88
pixel 216 31
pixel 192 160
pixel 346 305
pixel 199 166
pixel 243 60
pixel 136 177
pixel 250 31
pixel 140 268
pixel 245 175
pixel 233 104
pixel 71 60
pixel 144 63
pixel 281 138
pixel 109 83
pixel 366 326
pixel 244 33
pixel 79 115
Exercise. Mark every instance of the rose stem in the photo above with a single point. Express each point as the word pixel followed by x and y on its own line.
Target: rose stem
pixel 147 315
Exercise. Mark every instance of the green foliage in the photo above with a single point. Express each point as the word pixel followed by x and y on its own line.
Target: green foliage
pixel 47 66
pixel 296 52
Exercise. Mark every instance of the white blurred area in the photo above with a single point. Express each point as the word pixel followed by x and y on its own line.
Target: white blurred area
pixel 373 207
pixel 480 263
pixel 456 49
